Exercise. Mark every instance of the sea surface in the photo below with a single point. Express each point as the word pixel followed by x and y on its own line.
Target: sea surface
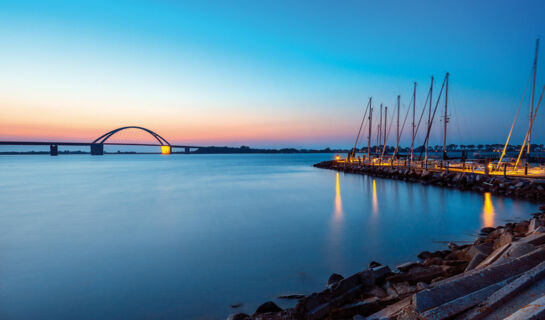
pixel 187 236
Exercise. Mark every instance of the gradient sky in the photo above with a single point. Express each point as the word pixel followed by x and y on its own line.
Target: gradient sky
pixel 261 73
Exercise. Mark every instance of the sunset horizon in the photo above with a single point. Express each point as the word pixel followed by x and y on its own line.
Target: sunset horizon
pixel 74 72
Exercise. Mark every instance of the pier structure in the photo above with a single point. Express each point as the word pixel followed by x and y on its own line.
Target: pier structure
pixel 422 160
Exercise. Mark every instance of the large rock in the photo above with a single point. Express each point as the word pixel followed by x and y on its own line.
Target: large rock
pixel 267 307
pixel 238 316
pixel 474 280
pixel 365 307
pixel 453 307
pixel 418 274
pixel 535 311
pixel 536 239
pixel 407 266
pixel 515 250
pixel 507 292
pixel 534 224
pixel 334 278
pixel 475 261
pixel 495 255
pixel 505 238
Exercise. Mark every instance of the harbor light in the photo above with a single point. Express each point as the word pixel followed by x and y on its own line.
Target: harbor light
pixel 337 157
pixel 166 149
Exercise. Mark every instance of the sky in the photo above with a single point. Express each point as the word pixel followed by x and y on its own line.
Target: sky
pixel 263 73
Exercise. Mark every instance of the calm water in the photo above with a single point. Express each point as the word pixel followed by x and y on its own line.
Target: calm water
pixel 185 237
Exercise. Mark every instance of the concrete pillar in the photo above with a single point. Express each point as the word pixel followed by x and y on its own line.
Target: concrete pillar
pixel 54 150
pixel 186 149
pixel 97 149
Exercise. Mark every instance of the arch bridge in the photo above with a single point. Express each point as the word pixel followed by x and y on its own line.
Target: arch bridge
pixel 97 146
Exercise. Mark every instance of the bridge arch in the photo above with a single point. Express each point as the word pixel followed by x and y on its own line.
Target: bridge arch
pixel 102 139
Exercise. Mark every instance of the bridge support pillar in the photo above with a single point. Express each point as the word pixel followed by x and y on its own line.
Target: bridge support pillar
pixel 97 149
pixel 186 149
pixel 54 150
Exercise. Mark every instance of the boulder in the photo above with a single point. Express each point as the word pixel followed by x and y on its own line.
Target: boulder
pixel 432 261
pixel 475 261
pixel 421 286
pixel 238 316
pixel 474 280
pixel 377 292
pixel 334 278
pixel 493 256
pixel 424 255
pixel 392 311
pixel 365 308
pixel 487 230
pixel 403 288
pixel 374 264
pixel 267 307
pixel 521 227
pixel 515 250
pixel 407 266
pixel 390 290
pixel 418 274
pixel 483 248
pixel 505 238
pixel 452 246
pixel 378 274
pixel 536 238
pixel 534 224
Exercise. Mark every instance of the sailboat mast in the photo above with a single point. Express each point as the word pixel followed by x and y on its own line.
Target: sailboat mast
pixel 370 127
pixel 397 140
pixel 385 125
pixel 532 100
pixel 414 113
pixel 446 121
pixel 429 121
pixel 379 131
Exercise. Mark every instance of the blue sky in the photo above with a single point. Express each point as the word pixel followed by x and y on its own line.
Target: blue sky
pixel 279 73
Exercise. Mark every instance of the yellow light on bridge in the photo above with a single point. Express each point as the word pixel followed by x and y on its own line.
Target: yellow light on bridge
pixel 165 149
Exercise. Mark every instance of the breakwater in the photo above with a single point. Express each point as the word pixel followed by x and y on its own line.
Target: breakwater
pixel 517 187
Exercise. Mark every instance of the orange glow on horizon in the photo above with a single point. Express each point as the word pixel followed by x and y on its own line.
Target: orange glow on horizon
pixel 74 120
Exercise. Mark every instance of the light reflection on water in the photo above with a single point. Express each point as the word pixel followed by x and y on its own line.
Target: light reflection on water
pixel 145 236
pixel 375 201
pixel 488 211
pixel 338 201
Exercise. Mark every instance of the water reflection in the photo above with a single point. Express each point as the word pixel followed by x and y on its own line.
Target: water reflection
pixel 338 214
pixel 488 211
pixel 375 201
pixel 334 246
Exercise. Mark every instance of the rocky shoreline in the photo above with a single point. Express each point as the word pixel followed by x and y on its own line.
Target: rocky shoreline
pixel 517 187
pixel 496 277
pixel 500 276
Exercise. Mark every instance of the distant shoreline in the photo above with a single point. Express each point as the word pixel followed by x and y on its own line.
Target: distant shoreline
pixel 203 150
